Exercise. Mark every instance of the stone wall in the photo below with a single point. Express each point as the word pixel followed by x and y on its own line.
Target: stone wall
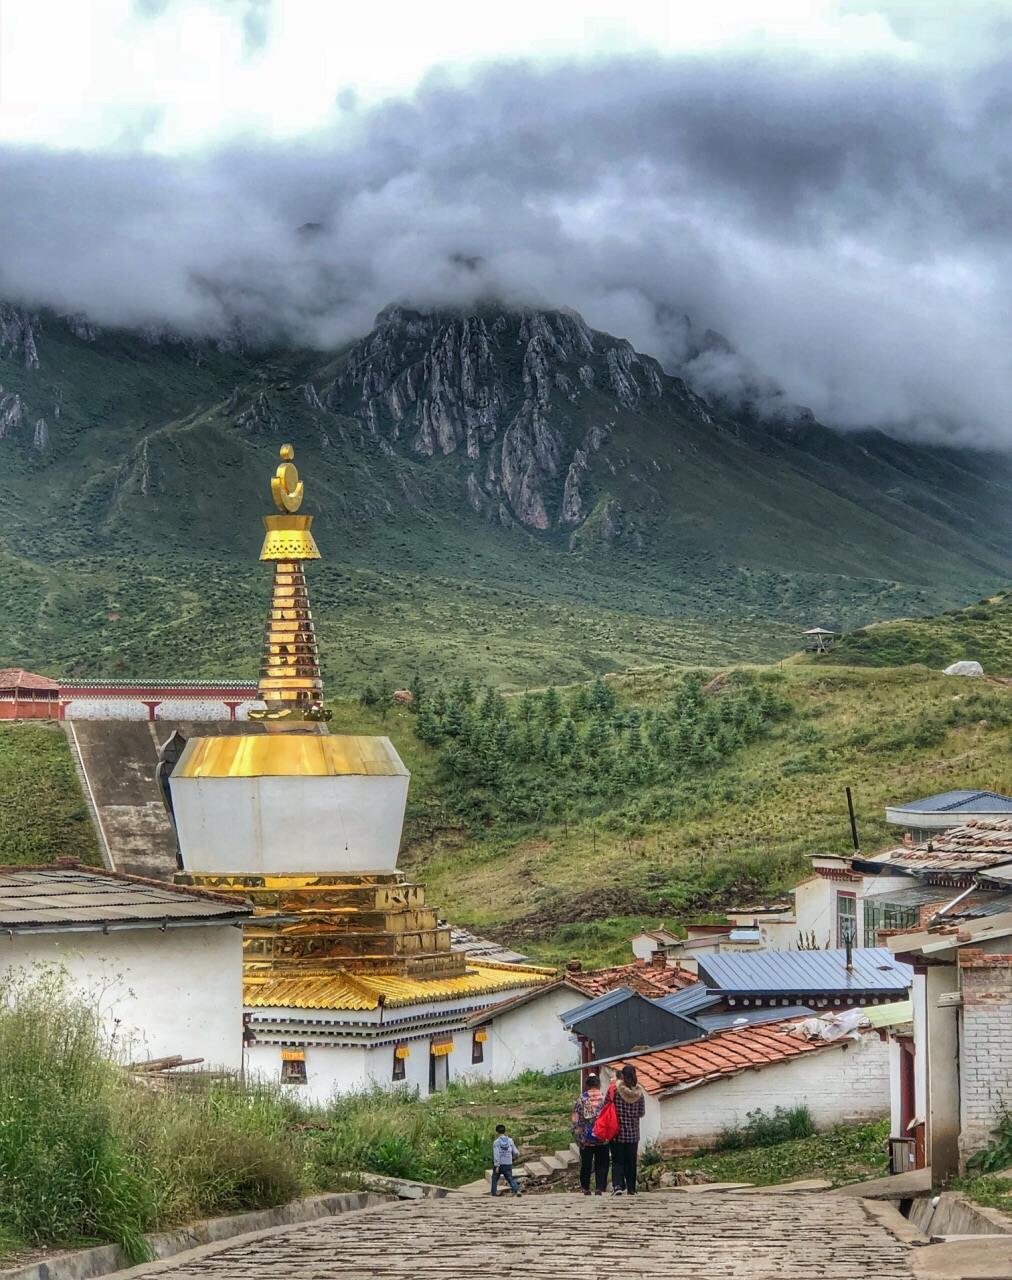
pixel 985 1045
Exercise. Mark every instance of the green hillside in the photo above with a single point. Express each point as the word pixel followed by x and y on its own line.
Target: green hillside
pixel 584 855
pixel 42 811
pixel 981 633
pixel 670 533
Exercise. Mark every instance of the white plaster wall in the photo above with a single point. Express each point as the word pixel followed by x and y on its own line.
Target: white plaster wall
pixel 289 824
pixel 846 1085
pixel 174 992
pixel 814 911
pixel 330 1069
pixel 129 709
pixel 919 998
pixel 194 709
pixel 532 1038
pixel 105 709
pixel 643 948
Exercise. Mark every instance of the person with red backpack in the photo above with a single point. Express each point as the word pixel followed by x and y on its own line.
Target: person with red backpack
pixel 594 1153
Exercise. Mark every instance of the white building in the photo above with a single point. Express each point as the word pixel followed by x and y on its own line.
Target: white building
pixel 525 1034
pixel 162 963
pixel 696 1091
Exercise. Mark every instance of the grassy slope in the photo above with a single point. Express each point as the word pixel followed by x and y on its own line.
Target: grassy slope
pixel 847 1153
pixel 980 633
pixel 42 810
pixel 746 828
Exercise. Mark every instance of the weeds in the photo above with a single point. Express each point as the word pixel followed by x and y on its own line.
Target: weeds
pixel 762 1130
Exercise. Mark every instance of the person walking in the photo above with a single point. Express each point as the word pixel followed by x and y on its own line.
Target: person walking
pixel 503 1151
pixel 594 1155
pixel 630 1105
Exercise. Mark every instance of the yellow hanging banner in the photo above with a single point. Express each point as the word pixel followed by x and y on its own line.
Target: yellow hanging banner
pixel 441 1049
pixel 293 1055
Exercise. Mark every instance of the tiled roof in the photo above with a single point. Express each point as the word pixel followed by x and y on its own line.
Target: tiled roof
pixel 18 678
pixel 874 969
pixel 957 801
pixel 342 990
pixel 724 1054
pixel 54 897
pixel 979 843
pixel 482 948
pixel 647 979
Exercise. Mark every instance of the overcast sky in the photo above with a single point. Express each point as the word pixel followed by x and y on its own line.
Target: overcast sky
pixel 825 183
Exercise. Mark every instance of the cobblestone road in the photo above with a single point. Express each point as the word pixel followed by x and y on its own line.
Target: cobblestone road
pixel 565 1237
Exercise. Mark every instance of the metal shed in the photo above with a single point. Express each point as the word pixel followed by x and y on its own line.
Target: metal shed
pixel 623 1020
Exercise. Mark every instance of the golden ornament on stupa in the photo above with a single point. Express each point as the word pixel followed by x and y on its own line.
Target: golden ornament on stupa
pixel 290 684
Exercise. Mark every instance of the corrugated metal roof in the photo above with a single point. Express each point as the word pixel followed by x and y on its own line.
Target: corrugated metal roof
pixel 342 990
pixel 919 895
pixel 978 905
pixel 722 1055
pixel 610 998
pixel 890 1015
pixel 690 999
pixel 959 801
pixel 43 897
pixel 750 1017
pixel 875 969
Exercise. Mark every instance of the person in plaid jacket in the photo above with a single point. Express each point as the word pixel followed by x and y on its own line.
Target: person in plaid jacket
pixel 630 1106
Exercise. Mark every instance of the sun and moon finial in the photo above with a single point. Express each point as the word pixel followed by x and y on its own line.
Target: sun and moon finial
pixel 285 484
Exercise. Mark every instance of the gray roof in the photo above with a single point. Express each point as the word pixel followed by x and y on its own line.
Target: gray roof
pixel 875 969
pixel 690 999
pixel 917 896
pixel 721 1021
pixel 959 802
pixel 43 899
pixel 599 1003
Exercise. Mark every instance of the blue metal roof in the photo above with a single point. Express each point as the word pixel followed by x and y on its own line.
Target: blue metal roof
pixel 874 970
pixel 573 1016
pixel 959 802
pixel 739 1017
pixel 689 999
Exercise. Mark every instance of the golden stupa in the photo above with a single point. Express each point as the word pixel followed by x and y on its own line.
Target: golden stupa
pixel 290 685
pixel 306 825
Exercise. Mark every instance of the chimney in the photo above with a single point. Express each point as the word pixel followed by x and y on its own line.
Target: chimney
pixel 659 959
pixel 908 839
pixel 574 966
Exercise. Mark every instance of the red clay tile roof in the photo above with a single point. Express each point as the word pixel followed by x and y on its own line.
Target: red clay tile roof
pixel 648 980
pixel 18 678
pixel 722 1055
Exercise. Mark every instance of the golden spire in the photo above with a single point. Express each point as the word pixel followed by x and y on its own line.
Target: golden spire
pixel 290 682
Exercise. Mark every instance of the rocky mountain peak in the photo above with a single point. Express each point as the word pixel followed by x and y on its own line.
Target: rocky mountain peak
pixel 510 390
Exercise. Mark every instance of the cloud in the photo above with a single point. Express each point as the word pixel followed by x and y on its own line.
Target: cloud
pixel 845 224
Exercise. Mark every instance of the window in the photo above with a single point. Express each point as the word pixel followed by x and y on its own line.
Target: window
pixel 887 915
pixel 401 1054
pixel 846 918
pixel 293 1066
pixel 478 1045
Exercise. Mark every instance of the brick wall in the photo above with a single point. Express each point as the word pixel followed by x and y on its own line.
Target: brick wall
pixel 985 1046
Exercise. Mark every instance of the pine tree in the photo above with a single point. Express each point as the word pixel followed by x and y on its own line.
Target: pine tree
pixel 527 708
pixel 419 692
pixel 456 720
pixel 427 727
pixel 493 706
pixel 384 698
pixel 439 702
pixel 551 707
pixel 568 739
pixel 463 692
pixel 368 696
pixel 602 698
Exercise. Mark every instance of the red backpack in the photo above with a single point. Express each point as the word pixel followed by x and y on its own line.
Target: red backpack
pixel 606 1125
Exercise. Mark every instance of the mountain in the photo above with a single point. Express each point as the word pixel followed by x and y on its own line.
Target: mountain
pixel 506 492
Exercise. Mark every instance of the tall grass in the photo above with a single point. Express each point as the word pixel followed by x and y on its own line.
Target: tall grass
pixel 85 1153
pixel 89 1155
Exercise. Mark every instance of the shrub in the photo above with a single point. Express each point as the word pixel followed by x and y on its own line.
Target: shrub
pixel 762 1130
